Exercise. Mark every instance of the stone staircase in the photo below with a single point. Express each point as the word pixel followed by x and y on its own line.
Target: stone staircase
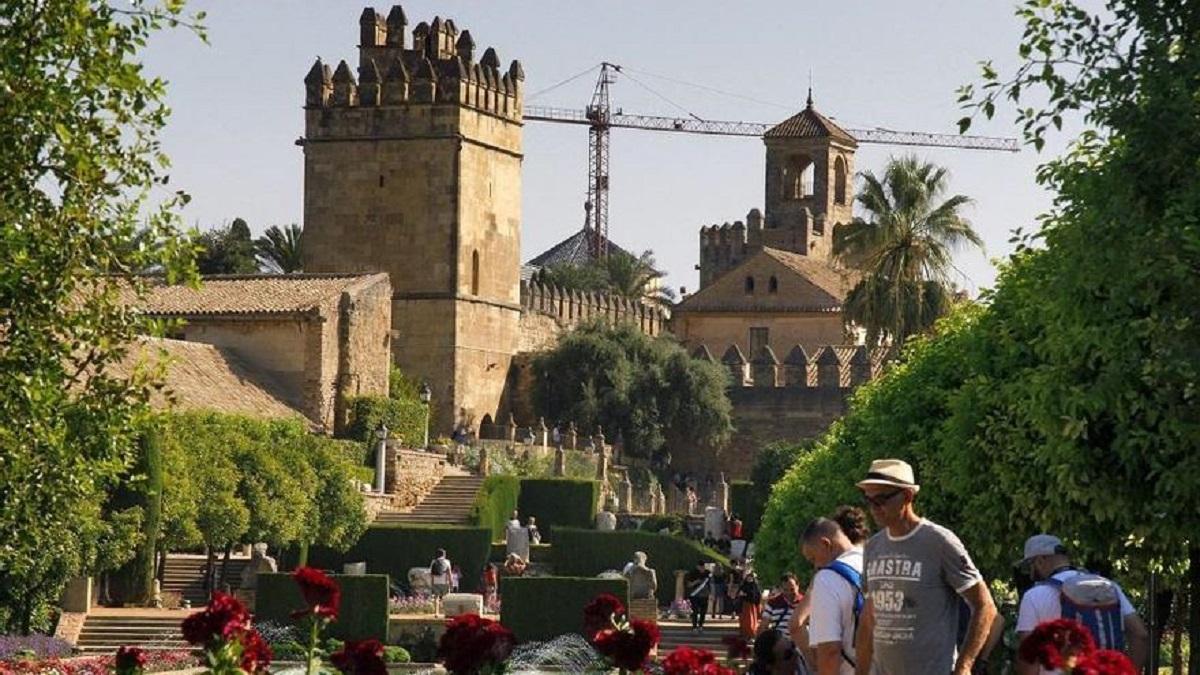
pixel 104 633
pixel 448 504
pixel 184 574
pixel 677 633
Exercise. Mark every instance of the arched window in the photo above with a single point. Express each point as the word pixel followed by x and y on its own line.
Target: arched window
pixel 798 177
pixel 749 284
pixel 773 285
pixel 475 272
pixel 839 180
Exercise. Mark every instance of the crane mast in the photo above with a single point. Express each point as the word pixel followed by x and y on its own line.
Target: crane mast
pixel 600 120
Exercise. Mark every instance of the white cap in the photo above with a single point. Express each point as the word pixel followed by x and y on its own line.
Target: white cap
pixel 1042 544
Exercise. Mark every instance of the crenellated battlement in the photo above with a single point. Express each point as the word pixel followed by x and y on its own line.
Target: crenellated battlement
pixel 829 367
pixel 572 307
pixel 438 67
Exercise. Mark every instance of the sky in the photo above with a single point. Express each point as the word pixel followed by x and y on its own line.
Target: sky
pixel 237 105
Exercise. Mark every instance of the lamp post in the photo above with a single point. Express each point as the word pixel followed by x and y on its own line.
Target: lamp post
pixel 381 457
pixel 426 395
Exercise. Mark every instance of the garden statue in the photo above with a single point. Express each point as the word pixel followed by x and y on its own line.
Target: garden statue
pixel 259 562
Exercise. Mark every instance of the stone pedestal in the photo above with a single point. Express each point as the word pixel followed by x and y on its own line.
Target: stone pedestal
pixel 572 437
pixel 625 495
pixel 722 495
pixel 714 522
pixel 484 464
pixel 602 467
pixel 679 574
pixel 77 596
pixel 560 462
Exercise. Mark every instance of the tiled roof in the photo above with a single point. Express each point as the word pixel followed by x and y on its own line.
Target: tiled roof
pixel 826 289
pixel 204 377
pixel 250 294
pixel 573 250
pixel 835 281
pixel 809 123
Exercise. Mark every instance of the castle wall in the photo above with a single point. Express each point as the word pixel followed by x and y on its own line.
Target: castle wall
pixel 363 331
pixel 277 347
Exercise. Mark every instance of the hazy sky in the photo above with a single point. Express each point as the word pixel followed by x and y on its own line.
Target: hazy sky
pixel 237 104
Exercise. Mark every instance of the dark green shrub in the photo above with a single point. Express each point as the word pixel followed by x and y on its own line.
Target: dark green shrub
pixel 542 608
pixel 394 549
pixel 589 552
pixel 405 419
pixel 673 522
pixel 559 502
pixel 746 502
pixel 287 651
pixel 495 502
pixel 364 608
pixel 394 654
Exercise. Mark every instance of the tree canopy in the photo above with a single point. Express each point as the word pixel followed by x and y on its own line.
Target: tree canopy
pixel 618 273
pixel 228 249
pixel 279 249
pixel 649 390
pixel 81 172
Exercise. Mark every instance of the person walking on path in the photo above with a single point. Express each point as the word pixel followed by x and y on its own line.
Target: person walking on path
pixel 698 584
pixel 836 597
pixel 439 578
pixel 749 605
pixel 914 571
pixel 1063 591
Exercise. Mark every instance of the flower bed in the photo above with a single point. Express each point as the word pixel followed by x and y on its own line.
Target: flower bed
pixel 13 647
pixel 157 661
pixel 419 603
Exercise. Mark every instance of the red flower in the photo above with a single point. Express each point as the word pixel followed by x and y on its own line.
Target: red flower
pixel 130 660
pixel 361 657
pixel 689 661
pixel 321 593
pixel 1104 662
pixel 224 617
pixel 598 614
pixel 628 649
pixel 256 653
pixel 472 642
pixel 736 647
pixel 1055 644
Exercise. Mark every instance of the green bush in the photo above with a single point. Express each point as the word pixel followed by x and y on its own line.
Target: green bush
pixel 364 607
pixel 542 608
pixel 673 522
pixel 559 502
pixel 394 549
pixel 589 552
pixel 405 420
pixel 394 654
pixel 745 502
pixel 495 502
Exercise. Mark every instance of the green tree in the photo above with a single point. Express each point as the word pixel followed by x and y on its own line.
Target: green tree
pixel 904 251
pixel 620 274
pixel 647 389
pixel 226 250
pixel 81 171
pixel 279 249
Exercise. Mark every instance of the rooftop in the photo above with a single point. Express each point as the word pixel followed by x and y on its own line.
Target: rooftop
pixel 809 123
pixel 250 294
pixel 573 250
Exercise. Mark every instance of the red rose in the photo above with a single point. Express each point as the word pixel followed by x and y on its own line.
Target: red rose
pixel 130 660
pixel 256 653
pixel 628 649
pixel 321 593
pixel 1054 643
pixel 472 642
pixel 224 617
pixel 1104 662
pixel 362 657
pixel 598 614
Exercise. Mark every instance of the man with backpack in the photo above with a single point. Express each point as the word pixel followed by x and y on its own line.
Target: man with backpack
pixel 836 596
pixel 1063 591
pixel 439 578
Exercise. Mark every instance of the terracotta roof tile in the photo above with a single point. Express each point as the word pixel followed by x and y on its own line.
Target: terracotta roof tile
pixel 249 294
pixel 809 123
pixel 833 280
pixel 573 250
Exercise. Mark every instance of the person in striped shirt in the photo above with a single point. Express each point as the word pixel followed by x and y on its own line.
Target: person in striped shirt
pixel 778 610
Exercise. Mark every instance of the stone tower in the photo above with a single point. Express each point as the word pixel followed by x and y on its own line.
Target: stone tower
pixel 809 190
pixel 413 167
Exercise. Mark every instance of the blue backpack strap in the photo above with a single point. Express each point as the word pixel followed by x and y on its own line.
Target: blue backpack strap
pixel 854 578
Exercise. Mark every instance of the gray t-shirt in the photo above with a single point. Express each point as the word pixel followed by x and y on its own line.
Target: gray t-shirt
pixel 913 583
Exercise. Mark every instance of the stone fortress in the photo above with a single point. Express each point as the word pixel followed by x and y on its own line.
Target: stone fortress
pixel 412 168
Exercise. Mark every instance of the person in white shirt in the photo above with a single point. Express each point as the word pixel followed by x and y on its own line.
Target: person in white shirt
pixel 1048 564
pixel 835 596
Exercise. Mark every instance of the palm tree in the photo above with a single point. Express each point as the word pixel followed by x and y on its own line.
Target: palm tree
pixel 279 249
pixel 636 278
pixel 904 251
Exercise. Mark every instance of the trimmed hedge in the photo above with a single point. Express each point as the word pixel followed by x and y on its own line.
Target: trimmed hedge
pixel 405 419
pixel 364 607
pixel 394 549
pixel 495 502
pixel 542 608
pixel 744 501
pixel 559 502
pixel 590 552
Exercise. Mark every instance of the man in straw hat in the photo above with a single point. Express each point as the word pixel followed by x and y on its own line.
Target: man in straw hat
pixel 914 573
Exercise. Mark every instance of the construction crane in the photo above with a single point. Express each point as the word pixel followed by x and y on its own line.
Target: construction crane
pixel 600 120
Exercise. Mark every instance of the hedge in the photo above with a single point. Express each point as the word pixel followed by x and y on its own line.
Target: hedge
pixel 394 549
pixel 542 608
pixel 364 606
pixel 589 552
pixel 559 502
pixel 744 501
pixel 495 502
pixel 405 419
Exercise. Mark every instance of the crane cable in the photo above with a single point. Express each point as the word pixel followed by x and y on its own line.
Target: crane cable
pixel 713 90
pixel 661 96
pixel 559 84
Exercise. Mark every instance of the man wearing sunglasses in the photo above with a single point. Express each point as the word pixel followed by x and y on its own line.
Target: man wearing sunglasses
pixel 914 572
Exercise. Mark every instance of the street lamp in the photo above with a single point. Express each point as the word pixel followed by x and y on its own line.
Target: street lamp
pixel 381 456
pixel 426 395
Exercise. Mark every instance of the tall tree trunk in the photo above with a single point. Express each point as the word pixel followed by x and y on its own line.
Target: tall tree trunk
pixel 303 554
pixel 210 570
pixel 1194 608
pixel 225 566
pixel 1178 623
